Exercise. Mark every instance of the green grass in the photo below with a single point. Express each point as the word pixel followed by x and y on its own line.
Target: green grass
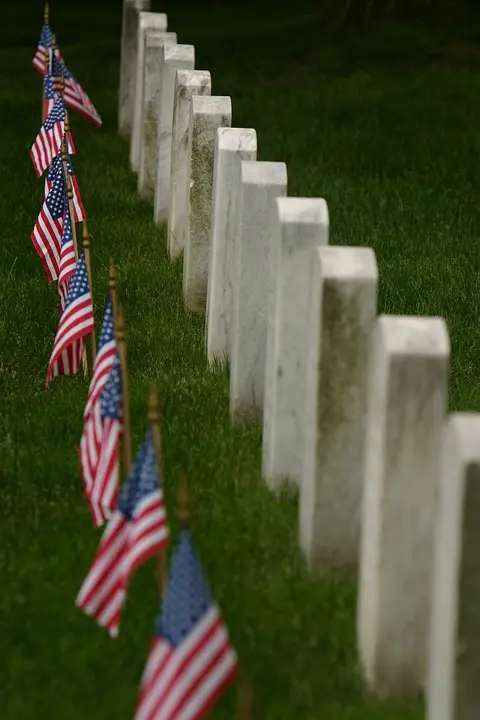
pixel 384 125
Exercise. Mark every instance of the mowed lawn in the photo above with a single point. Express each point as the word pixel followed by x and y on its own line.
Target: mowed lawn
pixel 384 126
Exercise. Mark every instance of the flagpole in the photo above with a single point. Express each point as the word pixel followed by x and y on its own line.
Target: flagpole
pixel 122 353
pixel 112 285
pixel 46 13
pixel 86 250
pixel 154 418
pixel 245 699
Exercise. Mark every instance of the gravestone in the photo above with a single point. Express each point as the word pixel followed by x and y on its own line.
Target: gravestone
pixel 301 224
pixel 453 689
pixel 343 309
pixel 128 62
pixel 407 404
pixel 232 145
pixel 147 21
pixel 175 57
pixel 259 185
pixel 152 85
pixel 187 84
pixel 207 114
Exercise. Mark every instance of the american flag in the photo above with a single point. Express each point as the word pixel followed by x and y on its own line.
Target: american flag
pixel 47 232
pixel 99 444
pixel 74 94
pixel 191 659
pixel 136 531
pixel 76 322
pixel 44 43
pixel 79 213
pixel 67 259
pixel 49 140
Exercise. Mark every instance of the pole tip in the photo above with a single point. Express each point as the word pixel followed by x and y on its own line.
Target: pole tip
pixel 120 325
pixel 112 275
pixel 245 699
pixel 183 511
pixel 46 13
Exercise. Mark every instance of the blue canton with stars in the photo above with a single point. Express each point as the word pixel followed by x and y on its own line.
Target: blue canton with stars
pixel 108 332
pixel 57 114
pixel 187 597
pixel 79 283
pixel 142 480
pixel 59 67
pixel 67 237
pixel 49 92
pixel 112 393
pixel 56 199
pixel 46 37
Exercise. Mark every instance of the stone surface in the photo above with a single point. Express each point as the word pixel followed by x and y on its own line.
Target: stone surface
pixel 301 224
pixel 175 57
pixel 147 21
pixel 453 689
pixel 152 86
pixel 128 63
pixel 231 146
pixel 408 381
pixel 343 307
pixel 259 185
pixel 187 84
pixel 207 114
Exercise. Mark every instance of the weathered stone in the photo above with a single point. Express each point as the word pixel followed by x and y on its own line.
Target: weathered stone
pixel 232 145
pixel 408 381
pixel 175 57
pixel 187 84
pixel 342 312
pixel 147 21
pixel 256 249
pixel 152 86
pixel 128 63
pixel 207 114
pixel 302 224
pixel 453 689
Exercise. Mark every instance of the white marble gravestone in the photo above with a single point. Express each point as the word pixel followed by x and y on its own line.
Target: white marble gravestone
pixel 343 308
pixel 232 145
pixel 147 21
pixel 128 62
pixel 207 114
pixel 301 224
pixel 453 688
pixel 408 379
pixel 187 84
pixel 175 57
pixel 256 249
pixel 152 85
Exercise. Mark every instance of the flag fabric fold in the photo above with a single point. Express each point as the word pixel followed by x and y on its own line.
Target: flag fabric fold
pixel 67 259
pixel 48 142
pixel 136 531
pixel 191 659
pixel 76 322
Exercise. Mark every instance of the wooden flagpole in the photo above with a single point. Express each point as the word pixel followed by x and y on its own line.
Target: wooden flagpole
pixel 46 14
pixel 112 286
pixel 86 250
pixel 245 699
pixel 154 419
pixel 122 354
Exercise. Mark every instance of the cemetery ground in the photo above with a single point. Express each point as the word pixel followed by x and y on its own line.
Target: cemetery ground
pixel 384 125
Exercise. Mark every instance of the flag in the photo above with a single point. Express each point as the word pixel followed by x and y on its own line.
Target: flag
pixel 74 94
pixel 101 488
pixel 49 140
pixel 76 322
pixel 191 659
pixel 99 444
pixel 47 232
pixel 45 43
pixel 57 168
pixel 136 531
pixel 48 92
pixel 67 259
